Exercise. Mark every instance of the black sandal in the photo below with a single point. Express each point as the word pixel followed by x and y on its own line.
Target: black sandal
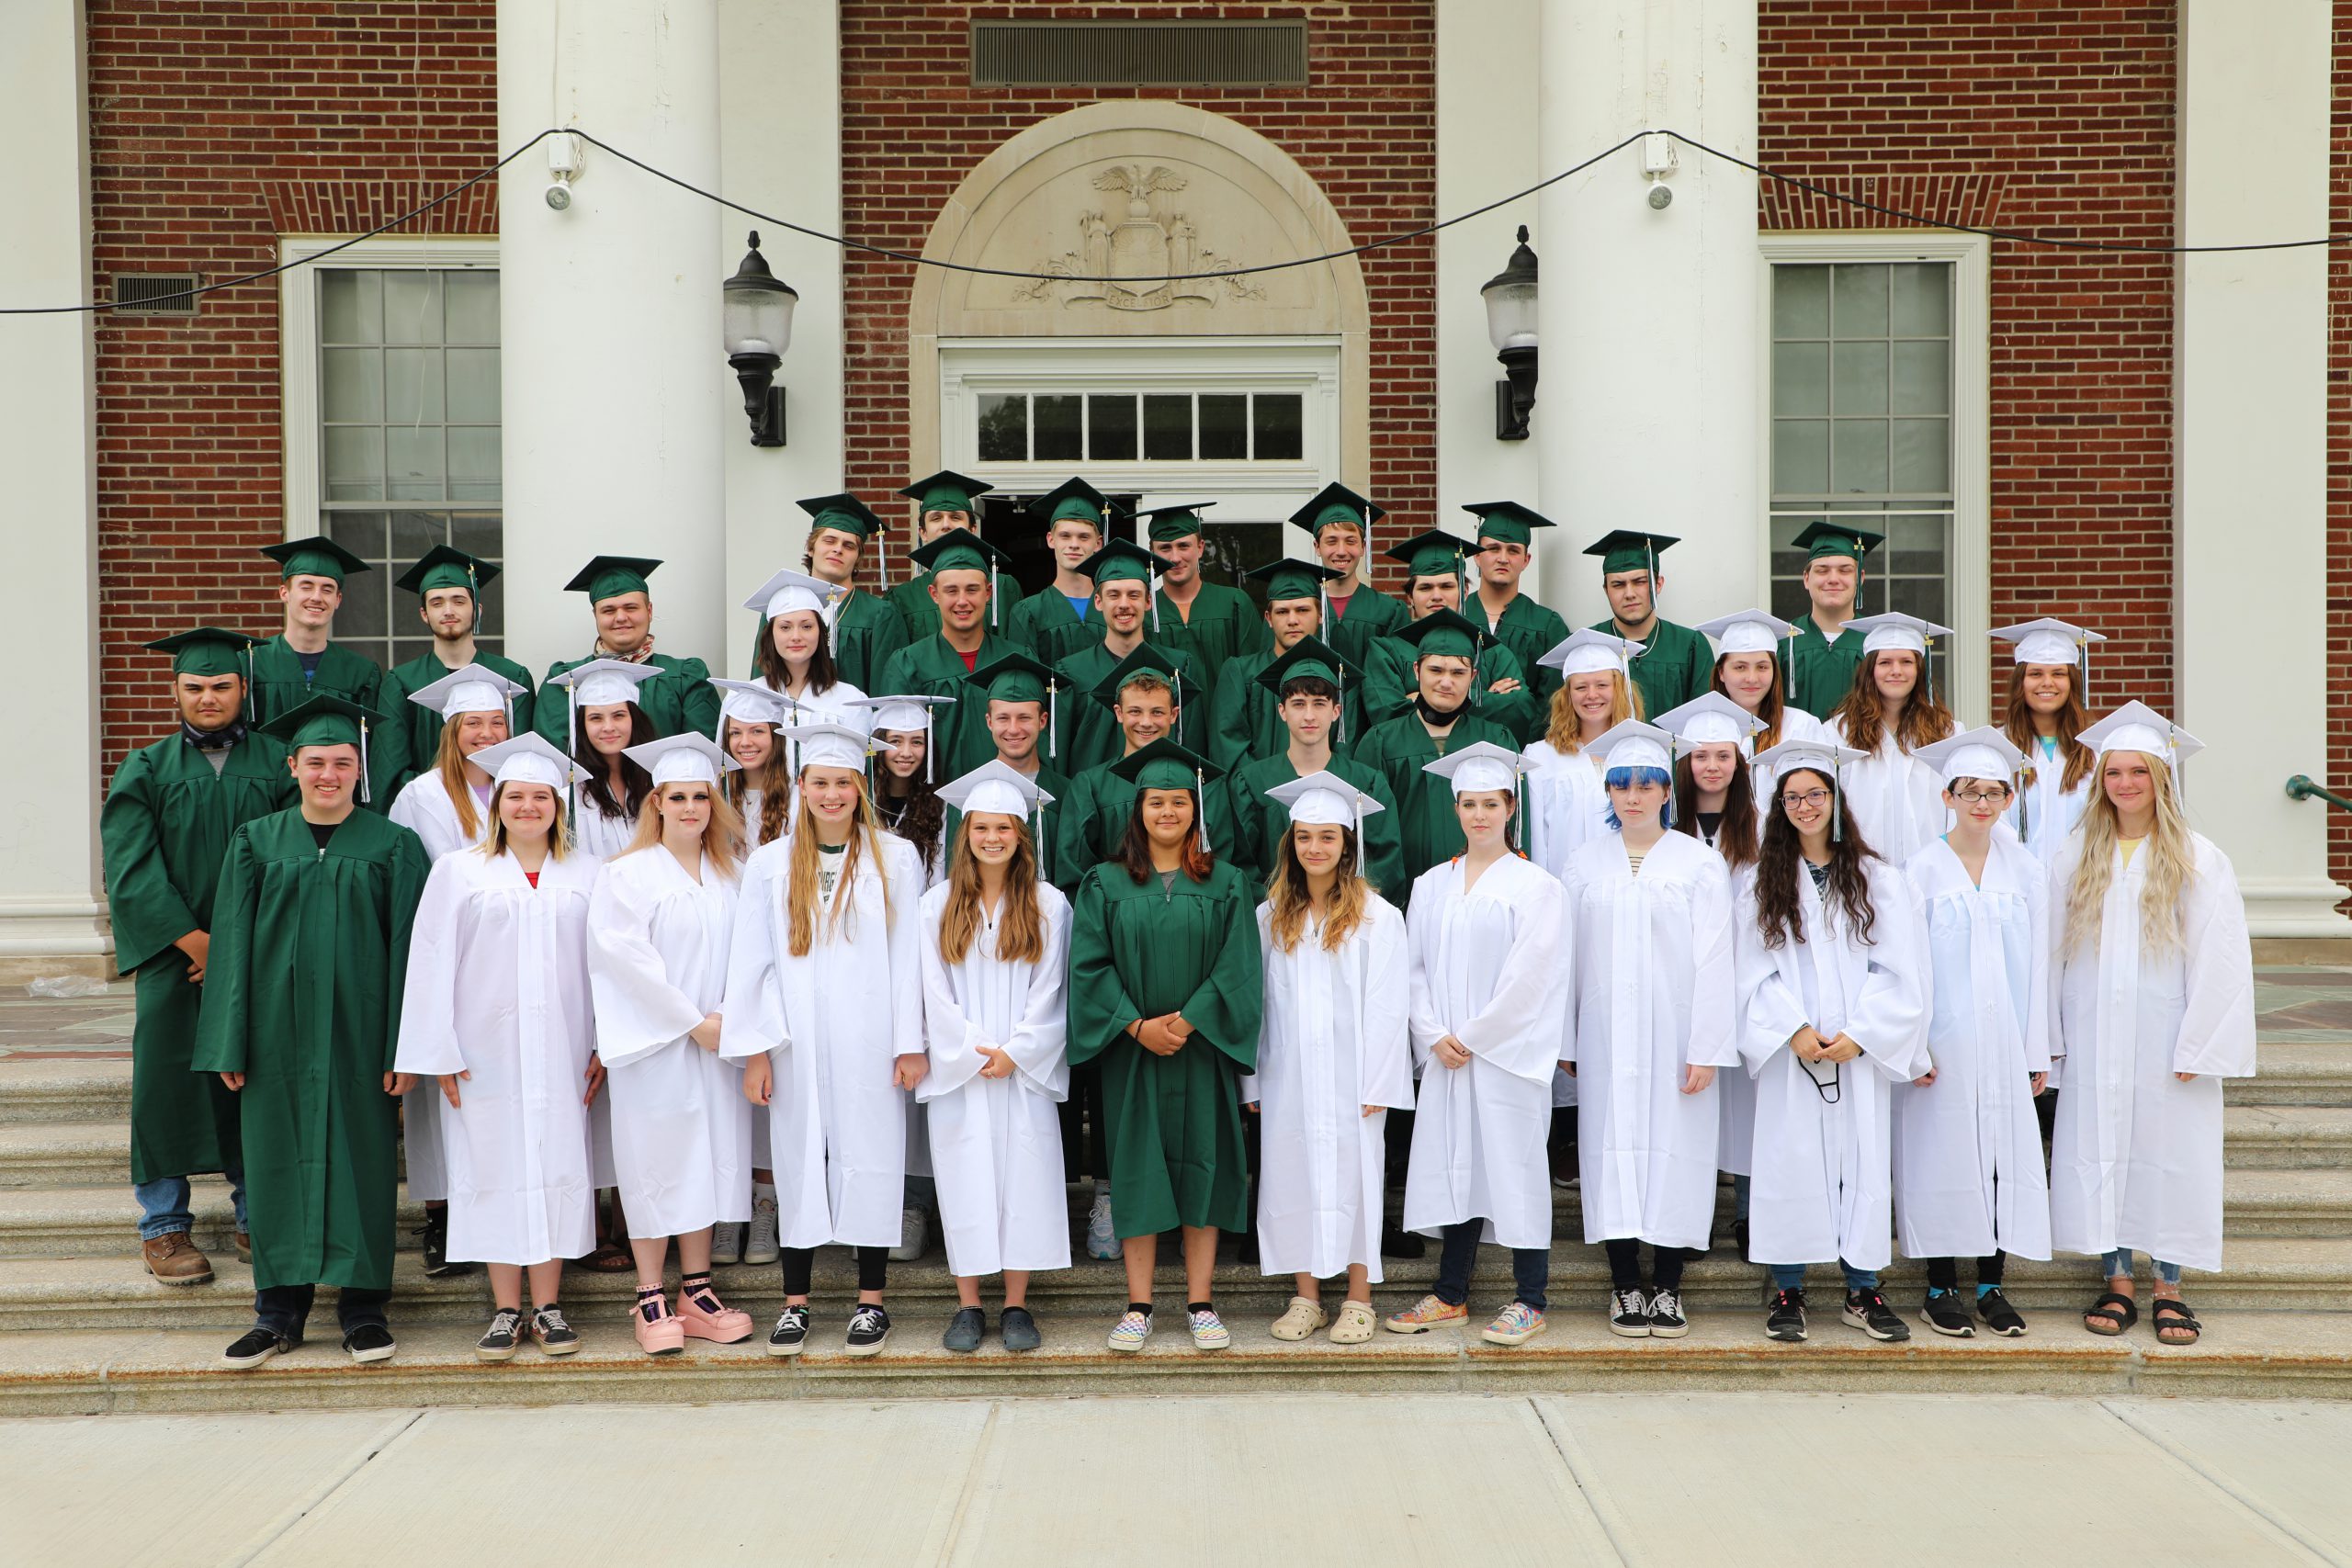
pixel 2103 1311
pixel 2172 1313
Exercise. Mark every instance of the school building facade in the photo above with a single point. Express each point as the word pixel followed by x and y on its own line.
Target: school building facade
pixel 2154 445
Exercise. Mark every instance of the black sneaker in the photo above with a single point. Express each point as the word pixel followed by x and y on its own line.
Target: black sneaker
pixel 791 1332
pixel 1019 1330
pixel 556 1337
pixel 1998 1315
pixel 868 1327
pixel 255 1347
pixel 503 1338
pixel 1629 1314
pixel 434 1235
pixel 369 1342
pixel 1945 1313
pixel 1868 1311
pixel 964 1330
pixel 1666 1321
pixel 1786 1321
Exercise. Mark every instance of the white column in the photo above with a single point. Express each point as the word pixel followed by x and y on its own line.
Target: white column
pixel 2250 553
pixel 52 895
pixel 609 311
pixel 1646 416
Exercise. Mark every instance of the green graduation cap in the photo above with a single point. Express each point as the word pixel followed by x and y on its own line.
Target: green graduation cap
pixel 317 556
pixel 1163 765
pixel 960 549
pixel 1629 550
pixel 1170 524
pixel 1015 677
pixel 1144 661
pixel 1433 552
pixel 1308 657
pixel 1072 498
pixel 1335 502
pixel 609 576
pixel 947 490
pixel 1287 578
pixel 1443 632
pixel 1507 521
pixel 206 650
pixel 1825 537
pixel 443 566
pixel 327 720
pixel 1121 561
pixel 844 512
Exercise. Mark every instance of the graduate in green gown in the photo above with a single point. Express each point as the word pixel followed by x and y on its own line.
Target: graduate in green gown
pixel 1356 614
pixel 1309 689
pixel 1505 549
pixel 301 662
pixel 1061 620
pixel 164 832
pixel 677 700
pixel 1206 620
pixel 1242 721
pixel 866 629
pixel 1017 696
pixel 1824 657
pixel 1451 651
pixel 943 506
pixel 301 1016
pixel 964 574
pixel 1145 696
pixel 1675 666
pixel 1165 991
pixel 447 583
pixel 1088 733
pixel 1433 563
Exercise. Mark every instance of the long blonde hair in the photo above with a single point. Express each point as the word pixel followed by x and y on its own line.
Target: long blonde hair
pixel 722 836
pixel 2167 852
pixel 1625 703
pixel 449 762
pixel 1287 897
pixel 1022 938
pixel 493 846
pixel 801 881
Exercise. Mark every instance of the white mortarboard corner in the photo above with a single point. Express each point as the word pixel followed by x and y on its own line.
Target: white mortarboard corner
pixel 789 590
pixel 473 688
pixel 1589 652
pixel 682 759
pixel 529 758
pixel 1896 632
pixel 1749 631
pixel 997 787
pixel 830 745
pixel 599 682
pixel 747 702
pixel 1712 720
pixel 1631 743
pixel 2136 727
pixel 1325 799
pixel 1980 754
pixel 2047 641
pixel 904 711
pixel 1824 757
pixel 1480 765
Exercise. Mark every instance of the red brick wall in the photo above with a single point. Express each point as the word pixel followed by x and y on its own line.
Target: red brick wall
pixel 913 126
pixel 2339 457
pixel 2050 117
pixel 216 126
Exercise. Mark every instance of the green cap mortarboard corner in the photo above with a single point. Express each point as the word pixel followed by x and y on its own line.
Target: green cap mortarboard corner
pixel 1507 521
pixel 1443 633
pixel 445 566
pixel 1827 536
pixel 1164 764
pixel 1335 502
pixel 1072 498
pixel 960 549
pixel 1308 657
pixel 1016 677
pixel 206 650
pixel 609 576
pixel 326 721
pixel 947 490
pixel 1433 552
pixel 1120 562
pixel 1144 661
pixel 1170 524
pixel 1629 550
pixel 844 512
pixel 1287 578
pixel 317 556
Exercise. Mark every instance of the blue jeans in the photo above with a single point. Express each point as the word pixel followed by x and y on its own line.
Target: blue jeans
pixel 2118 1265
pixel 162 1205
pixel 1531 1267
pixel 1791 1277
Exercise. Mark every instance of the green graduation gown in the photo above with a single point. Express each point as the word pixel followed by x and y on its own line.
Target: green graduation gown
pixel 1821 672
pixel 919 617
pixel 1088 732
pixel 303 995
pixel 1389 686
pixel 1091 820
pixel 1224 622
pixel 398 751
pixel 1371 615
pixel 1173 1124
pixel 1050 628
pixel 164 832
pixel 1053 784
pixel 1426 826
pixel 932 668
pixel 1529 630
pixel 278 686
pixel 1252 825
pixel 679 701
pixel 1246 721
pixel 1676 665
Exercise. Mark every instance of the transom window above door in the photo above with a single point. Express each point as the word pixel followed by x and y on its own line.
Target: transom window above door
pixel 1124 427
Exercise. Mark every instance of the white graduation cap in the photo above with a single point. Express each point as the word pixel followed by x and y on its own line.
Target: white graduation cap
pixel 1712 720
pixel 1818 756
pixel 1324 798
pixel 1589 652
pixel 789 590
pixel 529 758
pixel 1897 632
pixel 825 744
pixel 683 759
pixel 904 712
pixel 2136 727
pixel 1630 743
pixel 1481 765
pixel 599 682
pixel 1980 754
pixel 473 688
pixel 1748 631
pixel 2048 640
pixel 747 702
pixel 998 787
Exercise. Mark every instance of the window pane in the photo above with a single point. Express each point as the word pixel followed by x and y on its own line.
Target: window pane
pixel 1800 377
pixel 1858 302
pixel 1225 426
pixel 1166 427
pixel 1801 456
pixel 478 534
pixel 413 463
pixel 473 385
pixel 1923 377
pixel 1860 460
pixel 412 386
pixel 1922 456
pixel 1914 543
pixel 364 613
pixel 354 459
pixel 473 462
pixel 351 307
pixel 1923 597
pixel 1857 378
pixel 1004 428
pixel 1278 427
pixel 411 307
pixel 361 533
pixel 352 385
pixel 1057 436
pixel 1111 427
pixel 473 307
pixel 1800 301
pixel 1922 298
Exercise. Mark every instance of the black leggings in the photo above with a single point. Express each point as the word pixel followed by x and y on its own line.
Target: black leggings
pixel 872 1264
pixel 1625 1265
pixel 1943 1273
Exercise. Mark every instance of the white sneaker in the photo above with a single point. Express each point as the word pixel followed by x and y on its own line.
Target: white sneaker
pixel 727 1242
pixel 1102 1241
pixel 760 1246
pixel 914 1231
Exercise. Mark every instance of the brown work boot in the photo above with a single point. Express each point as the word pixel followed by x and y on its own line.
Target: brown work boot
pixel 174 1259
pixel 245 1247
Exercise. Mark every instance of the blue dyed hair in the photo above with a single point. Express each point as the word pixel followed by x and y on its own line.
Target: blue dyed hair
pixel 1626 778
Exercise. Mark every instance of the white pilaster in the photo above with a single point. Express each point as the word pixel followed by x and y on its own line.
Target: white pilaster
pixel 1646 416
pixel 2250 565
pixel 610 316
pixel 52 902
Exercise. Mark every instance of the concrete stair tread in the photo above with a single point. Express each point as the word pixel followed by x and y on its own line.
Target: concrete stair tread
pixel 63 1088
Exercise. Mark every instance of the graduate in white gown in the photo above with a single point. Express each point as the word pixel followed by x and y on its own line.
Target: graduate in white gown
pixel 1651 914
pixel 995 957
pixel 1889 713
pixel 496 1008
pixel 658 928
pixel 824 1008
pixel 1490 947
pixel 603 720
pixel 1334 1057
pixel 797 661
pixel 1968 1173
pixel 2046 710
pixel 1749 670
pixel 1833 1015
pixel 905 794
pixel 2156 1007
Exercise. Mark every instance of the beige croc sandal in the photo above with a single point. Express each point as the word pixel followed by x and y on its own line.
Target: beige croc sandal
pixel 1303 1319
pixel 1356 1325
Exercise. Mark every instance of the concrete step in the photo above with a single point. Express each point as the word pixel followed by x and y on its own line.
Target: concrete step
pixel 2283 1354
pixel 2269 1137
pixel 2296 1073
pixel 2287 1204
pixel 65 1089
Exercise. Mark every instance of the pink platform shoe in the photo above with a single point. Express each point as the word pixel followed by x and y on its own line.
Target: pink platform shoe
pixel 701 1315
pixel 659 1332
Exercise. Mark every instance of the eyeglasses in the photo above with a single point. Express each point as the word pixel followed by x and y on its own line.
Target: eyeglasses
pixel 1816 798
pixel 1993 796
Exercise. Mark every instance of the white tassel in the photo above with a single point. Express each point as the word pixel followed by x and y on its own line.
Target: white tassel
pixel 1201 799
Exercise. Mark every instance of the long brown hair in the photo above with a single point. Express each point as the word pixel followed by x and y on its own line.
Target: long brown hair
pixel 1925 719
pixel 922 820
pixel 2171 861
pixel 801 881
pixel 823 673
pixel 1563 727
pixel 1134 845
pixel 635 783
pixel 493 846
pixel 774 781
pixel 2017 724
pixel 722 836
pixel 1780 908
pixel 1736 838
pixel 449 762
pixel 1286 895
pixel 1769 712
pixel 1021 936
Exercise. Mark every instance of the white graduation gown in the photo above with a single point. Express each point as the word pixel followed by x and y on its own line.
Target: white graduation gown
pixel 595 832
pixel 498 988
pixel 1654 994
pixel 996 1144
pixel 1968 1172
pixel 1334 1039
pixel 2049 811
pixel 1822 1178
pixel 1491 967
pixel 2135 1157
pixel 833 1022
pixel 682 1129
pixel 423 808
pixel 1568 808
pixel 1896 800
